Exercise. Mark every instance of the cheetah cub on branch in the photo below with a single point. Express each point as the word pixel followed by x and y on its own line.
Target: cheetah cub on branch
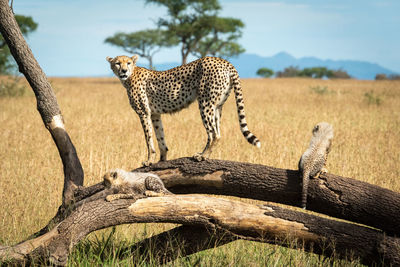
pixel 152 93
pixel 131 184
pixel 312 162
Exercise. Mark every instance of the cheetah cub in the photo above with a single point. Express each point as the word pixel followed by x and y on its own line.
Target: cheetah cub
pixel 131 184
pixel 152 93
pixel 312 162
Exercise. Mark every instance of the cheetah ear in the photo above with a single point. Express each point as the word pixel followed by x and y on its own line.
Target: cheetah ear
pixel 109 59
pixel 134 58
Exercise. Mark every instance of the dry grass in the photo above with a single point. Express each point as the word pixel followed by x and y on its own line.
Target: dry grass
pixel 107 134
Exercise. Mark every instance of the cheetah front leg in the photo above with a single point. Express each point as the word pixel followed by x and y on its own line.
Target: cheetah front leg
pixel 148 134
pixel 158 128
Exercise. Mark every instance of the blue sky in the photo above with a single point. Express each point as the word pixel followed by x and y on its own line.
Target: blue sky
pixel 70 38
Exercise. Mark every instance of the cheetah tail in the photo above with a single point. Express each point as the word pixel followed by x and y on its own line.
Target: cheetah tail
pixel 250 137
pixel 306 179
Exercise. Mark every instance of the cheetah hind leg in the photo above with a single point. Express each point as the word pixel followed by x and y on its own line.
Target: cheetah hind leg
pixel 155 187
pixel 200 156
pixel 211 123
pixel 323 170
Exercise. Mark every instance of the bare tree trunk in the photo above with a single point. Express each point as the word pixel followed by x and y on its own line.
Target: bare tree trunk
pixel 333 195
pixel 237 220
pixel 46 101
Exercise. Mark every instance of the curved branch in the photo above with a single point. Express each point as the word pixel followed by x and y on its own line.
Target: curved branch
pixel 266 223
pixel 336 196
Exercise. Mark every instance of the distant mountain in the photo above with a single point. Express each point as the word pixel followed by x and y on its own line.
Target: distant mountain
pixel 248 64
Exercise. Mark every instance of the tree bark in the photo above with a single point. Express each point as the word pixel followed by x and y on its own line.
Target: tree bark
pixel 235 219
pixel 333 195
pixel 46 100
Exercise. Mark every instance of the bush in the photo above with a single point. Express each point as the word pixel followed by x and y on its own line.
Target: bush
pixel 265 72
pixel 321 90
pixel 316 72
pixel 289 72
pixel 394 76
pixel 380 76
pixel 12 88
pixel 372 98
pixel 339 74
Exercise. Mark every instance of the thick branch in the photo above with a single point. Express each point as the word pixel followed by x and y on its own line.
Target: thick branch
pixel 46 100
pixel 269 224
pixel 333 195
pixel 179 242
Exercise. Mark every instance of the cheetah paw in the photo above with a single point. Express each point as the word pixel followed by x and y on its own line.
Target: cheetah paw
pixel 198 157
pixel 149 193
pixel 146 163
pixel 111 198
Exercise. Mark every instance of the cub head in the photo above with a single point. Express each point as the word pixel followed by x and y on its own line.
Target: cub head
pixel 114 178
pixel 323 128
pixel 123 66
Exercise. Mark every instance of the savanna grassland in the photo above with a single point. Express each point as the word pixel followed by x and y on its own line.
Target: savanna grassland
pixel 107 134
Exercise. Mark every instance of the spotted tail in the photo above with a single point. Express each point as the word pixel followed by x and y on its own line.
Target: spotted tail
pixel 306 179
pixel 250 137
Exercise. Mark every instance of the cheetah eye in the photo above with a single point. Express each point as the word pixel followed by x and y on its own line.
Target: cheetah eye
pixel 129 63
pixel 114 175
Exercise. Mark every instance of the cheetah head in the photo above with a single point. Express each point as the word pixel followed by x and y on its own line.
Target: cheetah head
pixel 112 178
pixel 123 66
pixel 323 128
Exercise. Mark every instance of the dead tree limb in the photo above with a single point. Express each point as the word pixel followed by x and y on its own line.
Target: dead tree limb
pixel 266 223
pixel 333 195
pixel 46 100
pixel 179 242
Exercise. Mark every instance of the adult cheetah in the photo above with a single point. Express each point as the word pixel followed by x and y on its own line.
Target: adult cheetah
pixel 152 93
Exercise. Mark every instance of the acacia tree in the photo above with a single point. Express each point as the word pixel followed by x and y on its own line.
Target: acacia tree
pixel 221 41
pixel 265 72
pixel 145 43
pixel 198 29
pixel 26 25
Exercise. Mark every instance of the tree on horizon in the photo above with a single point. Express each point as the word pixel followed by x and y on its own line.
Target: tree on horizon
pixel 144 43
pixel 199 30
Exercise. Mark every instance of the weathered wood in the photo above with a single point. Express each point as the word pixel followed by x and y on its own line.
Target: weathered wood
pixel 266 223
pixel 46 100
pixel 179 242
pixel 333 195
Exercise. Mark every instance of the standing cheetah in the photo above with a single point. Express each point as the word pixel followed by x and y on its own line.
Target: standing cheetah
pixel 312 162
pixel 152 93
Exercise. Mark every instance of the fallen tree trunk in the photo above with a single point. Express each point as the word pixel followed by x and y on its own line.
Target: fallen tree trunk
pixel 266 223
pixel 333 195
